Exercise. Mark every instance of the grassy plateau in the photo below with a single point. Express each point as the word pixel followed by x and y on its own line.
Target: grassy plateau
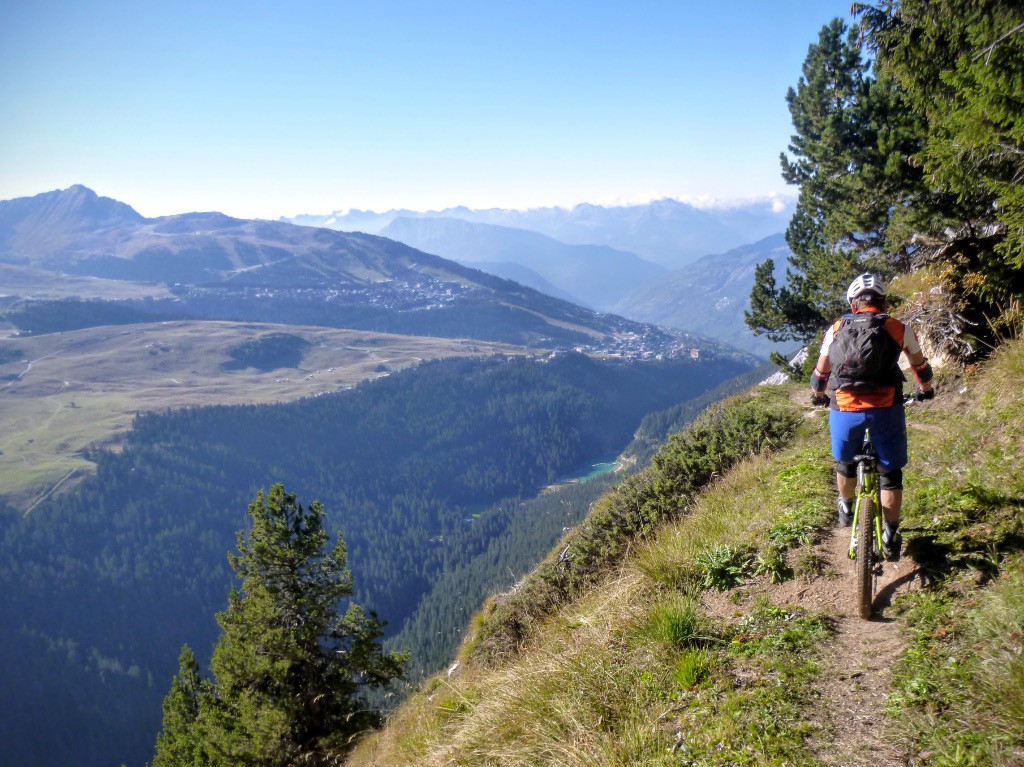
pixel 64 392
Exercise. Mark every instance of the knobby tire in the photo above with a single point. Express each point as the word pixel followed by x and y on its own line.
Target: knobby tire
pixel 864 565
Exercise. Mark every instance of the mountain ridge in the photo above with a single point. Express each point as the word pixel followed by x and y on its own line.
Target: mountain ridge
pixel 219 267
pixel 667 232
pixel 595 275
pixel 710 296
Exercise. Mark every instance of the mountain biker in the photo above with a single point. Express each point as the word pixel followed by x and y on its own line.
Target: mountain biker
pixel 861 354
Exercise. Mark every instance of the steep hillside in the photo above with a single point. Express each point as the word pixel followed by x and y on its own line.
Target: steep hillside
pixel 697 620
pixel 710 295
pixel 424 471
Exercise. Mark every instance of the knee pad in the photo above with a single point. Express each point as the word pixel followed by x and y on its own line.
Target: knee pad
pixel 846 469
pixel 891 480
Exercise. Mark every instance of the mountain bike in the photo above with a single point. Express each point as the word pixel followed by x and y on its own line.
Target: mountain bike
pixel 866 537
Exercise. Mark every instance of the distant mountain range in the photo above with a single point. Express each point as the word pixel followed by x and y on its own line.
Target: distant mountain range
pixel 707 297
pixel 218 267
pixel 665 232
pixel 667 263
pixel 593 275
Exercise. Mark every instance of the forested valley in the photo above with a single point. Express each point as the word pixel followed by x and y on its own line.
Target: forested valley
pixel 424 473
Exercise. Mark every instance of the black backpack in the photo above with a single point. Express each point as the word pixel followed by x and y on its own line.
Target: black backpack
pixel 863 353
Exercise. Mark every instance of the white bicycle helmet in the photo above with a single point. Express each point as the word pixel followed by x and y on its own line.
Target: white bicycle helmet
pixel 865 283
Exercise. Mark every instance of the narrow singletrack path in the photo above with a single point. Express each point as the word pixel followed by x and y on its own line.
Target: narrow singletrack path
pixel 855 679
pixel 849 707
pixel 855 682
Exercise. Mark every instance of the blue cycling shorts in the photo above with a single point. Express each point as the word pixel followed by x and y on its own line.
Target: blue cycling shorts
pixel 888 427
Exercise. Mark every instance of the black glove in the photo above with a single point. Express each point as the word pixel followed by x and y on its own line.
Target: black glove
pixel 819 399
pixel 920 395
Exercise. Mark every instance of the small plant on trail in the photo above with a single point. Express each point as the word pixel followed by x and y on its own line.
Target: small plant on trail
pixel 810 564
pixel 770 629
pixel 724 567
pixel 791 532
pixel 771 562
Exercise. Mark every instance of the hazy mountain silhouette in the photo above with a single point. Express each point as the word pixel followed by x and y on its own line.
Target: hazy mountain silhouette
pixel 593 275
pixel 524 276
pixel 665 232
pixel 78 232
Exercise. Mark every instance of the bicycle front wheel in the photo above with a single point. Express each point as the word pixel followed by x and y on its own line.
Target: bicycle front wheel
pixel 864 564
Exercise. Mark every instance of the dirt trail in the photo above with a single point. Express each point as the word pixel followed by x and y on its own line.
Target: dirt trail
pixel 855 682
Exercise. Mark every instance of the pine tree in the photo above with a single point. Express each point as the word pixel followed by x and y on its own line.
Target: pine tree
pixel 834 230
pixel 960 64
pixel 914 161
pixel 860 192
pixel 290 668
pixel 179 742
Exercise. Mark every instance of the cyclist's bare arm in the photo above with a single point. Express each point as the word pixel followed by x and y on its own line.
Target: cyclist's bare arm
pixel 819 378
pixel 824 366
pixel 918 362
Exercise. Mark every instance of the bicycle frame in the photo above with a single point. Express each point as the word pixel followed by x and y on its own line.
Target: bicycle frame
pixel 867 488
pixel 866 537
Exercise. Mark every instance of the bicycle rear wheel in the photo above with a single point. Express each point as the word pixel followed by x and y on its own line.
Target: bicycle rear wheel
pixel 865 547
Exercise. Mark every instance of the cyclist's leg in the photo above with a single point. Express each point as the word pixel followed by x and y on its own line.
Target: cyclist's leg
pixel 889 436
pixel 891 495
pixel 847 432
pixel 846 484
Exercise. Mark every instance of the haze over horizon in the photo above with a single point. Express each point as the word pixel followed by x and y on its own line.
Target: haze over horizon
pixel 265 111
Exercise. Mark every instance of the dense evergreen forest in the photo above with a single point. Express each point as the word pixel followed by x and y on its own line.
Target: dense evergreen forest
pixel 419 471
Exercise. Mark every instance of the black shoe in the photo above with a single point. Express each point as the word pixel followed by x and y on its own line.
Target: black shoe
pixel 845 512
pixel 892 542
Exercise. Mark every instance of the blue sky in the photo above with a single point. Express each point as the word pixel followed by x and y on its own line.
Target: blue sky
pixel 262 109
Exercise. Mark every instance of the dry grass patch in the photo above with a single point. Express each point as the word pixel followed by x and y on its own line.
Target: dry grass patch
pixel 581 694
